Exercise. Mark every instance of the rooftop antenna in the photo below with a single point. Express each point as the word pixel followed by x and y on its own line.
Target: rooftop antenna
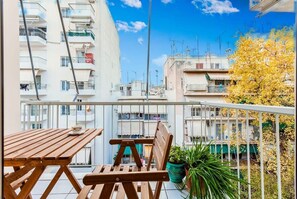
pixel 157 77
pixel 197 44
pixel 29 49
pixel 148 49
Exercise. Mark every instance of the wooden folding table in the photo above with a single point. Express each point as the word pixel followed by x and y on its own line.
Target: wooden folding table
pixel 30 152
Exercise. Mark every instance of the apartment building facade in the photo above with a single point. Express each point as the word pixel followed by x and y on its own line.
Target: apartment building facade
pixel 199 79
pixel 94 47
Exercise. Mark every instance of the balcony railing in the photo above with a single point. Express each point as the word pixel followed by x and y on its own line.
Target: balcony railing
pixel 29 88
pixel 39 62
pixel 85 33
pixel 84 86
pixel 33 32
pixel 34 12
pixel 83 60
pixel 217 89
pixel 82 13
pixel 236 131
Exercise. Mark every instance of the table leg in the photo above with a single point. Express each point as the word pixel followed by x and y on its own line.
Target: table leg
pixel 72 179
pixel 25 191
pixel 16 168
pixel 8 191
pixel 52 183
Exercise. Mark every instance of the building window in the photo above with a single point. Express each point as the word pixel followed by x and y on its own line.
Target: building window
pixel 65 110
pixel 239 128
pixel 36 126
pixel 66 12
pixel 62 37
pixel 79 107
pixel 217 66
pixel 199 65
pixel 65 85
pixel 219 134
pixel 64 61
pixel 195 111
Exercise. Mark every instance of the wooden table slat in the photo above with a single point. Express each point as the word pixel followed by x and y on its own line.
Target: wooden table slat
pixel 26 135
pixel 46 145
pixel 61 150
pixel 15 135
pixel 34 148
pixel 72 151
pixel 27 143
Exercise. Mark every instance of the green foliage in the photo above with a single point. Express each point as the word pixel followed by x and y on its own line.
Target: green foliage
pixel 208 176
pixel 177 155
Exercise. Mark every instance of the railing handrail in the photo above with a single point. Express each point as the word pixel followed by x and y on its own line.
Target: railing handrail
pixel 89 4
pixel 257 108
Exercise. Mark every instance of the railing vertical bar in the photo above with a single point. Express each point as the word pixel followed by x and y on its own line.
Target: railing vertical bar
pixel 42 116
pixel 35 116
pixel 201 113
pixel 229 140
pixel 85 149
pixel 149 120
pixel 53 115
pixel 261 157
pixel 174 115
pixel 24 117
pixel 237 152
pixel 215 129
pixel 48 116
pixel 139 121
pixel 103 117
pixel 112 130
pixel 221 132
pixel 76 114
pixel 95 117
pixel 67 108
pixel 29 117
pixel 57 116
pixel 121 121
pixel 193 112
pixel 209 120
pixel 278 161
pixel 130 120
pixel 248 155
pixel 205 118
pixel 85 116
pixel 184 125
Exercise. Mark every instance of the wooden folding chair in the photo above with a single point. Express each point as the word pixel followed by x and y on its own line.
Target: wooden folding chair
pixel 119 180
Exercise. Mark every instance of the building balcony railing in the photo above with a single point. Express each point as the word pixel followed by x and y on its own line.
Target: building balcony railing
pixel 34 12
pixel 29 89
pixel 83 63
pixel 235 139
pixel 204 89
pixel 37 37
pixel 81 37
pixel 217 89
pixel 39 63
pixel 82 13
pixel 84 88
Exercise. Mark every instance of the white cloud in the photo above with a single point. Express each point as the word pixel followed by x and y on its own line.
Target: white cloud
pixel 166 1
pixel 110 3
pixel 140 40
pixel 159 61
pixel 215 6
pixel 132 3
pixel 135 26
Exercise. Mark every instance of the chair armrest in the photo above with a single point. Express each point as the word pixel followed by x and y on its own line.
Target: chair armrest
pixel 136 141
pixel 115 177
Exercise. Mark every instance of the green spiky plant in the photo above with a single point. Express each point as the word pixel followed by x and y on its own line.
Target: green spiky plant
pixel 208 177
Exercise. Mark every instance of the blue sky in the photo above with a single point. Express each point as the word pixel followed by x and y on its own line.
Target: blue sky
pixel 183 26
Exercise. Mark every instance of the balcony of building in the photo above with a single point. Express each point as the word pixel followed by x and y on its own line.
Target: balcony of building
pixel 39 63
pixel 37 37
pixel 34 13
pixel 82 13
pixel 28 89
pixel 224 136
pixel 84 63
pixel 80 38
pixel 205 90
pixel 85 88
pixel 265 6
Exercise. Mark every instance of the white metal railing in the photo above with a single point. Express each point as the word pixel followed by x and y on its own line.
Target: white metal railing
pixel 235 131
pixel 38 61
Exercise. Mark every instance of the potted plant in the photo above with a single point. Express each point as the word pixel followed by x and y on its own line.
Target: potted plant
pixel 175 164
pixel 207 176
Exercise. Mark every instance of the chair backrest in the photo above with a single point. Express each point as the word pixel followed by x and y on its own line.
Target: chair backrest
pixel 161 147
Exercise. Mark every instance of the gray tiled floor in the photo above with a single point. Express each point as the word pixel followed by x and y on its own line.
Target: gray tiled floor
pixel 64 190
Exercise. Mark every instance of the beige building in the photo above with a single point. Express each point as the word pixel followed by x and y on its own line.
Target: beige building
pixel 203 79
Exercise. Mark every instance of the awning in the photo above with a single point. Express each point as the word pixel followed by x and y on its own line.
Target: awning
pixel 221 76
pixel 27 75
pixel 80 75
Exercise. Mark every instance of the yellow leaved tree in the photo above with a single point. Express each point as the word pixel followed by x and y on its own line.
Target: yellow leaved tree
pixel 262 73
